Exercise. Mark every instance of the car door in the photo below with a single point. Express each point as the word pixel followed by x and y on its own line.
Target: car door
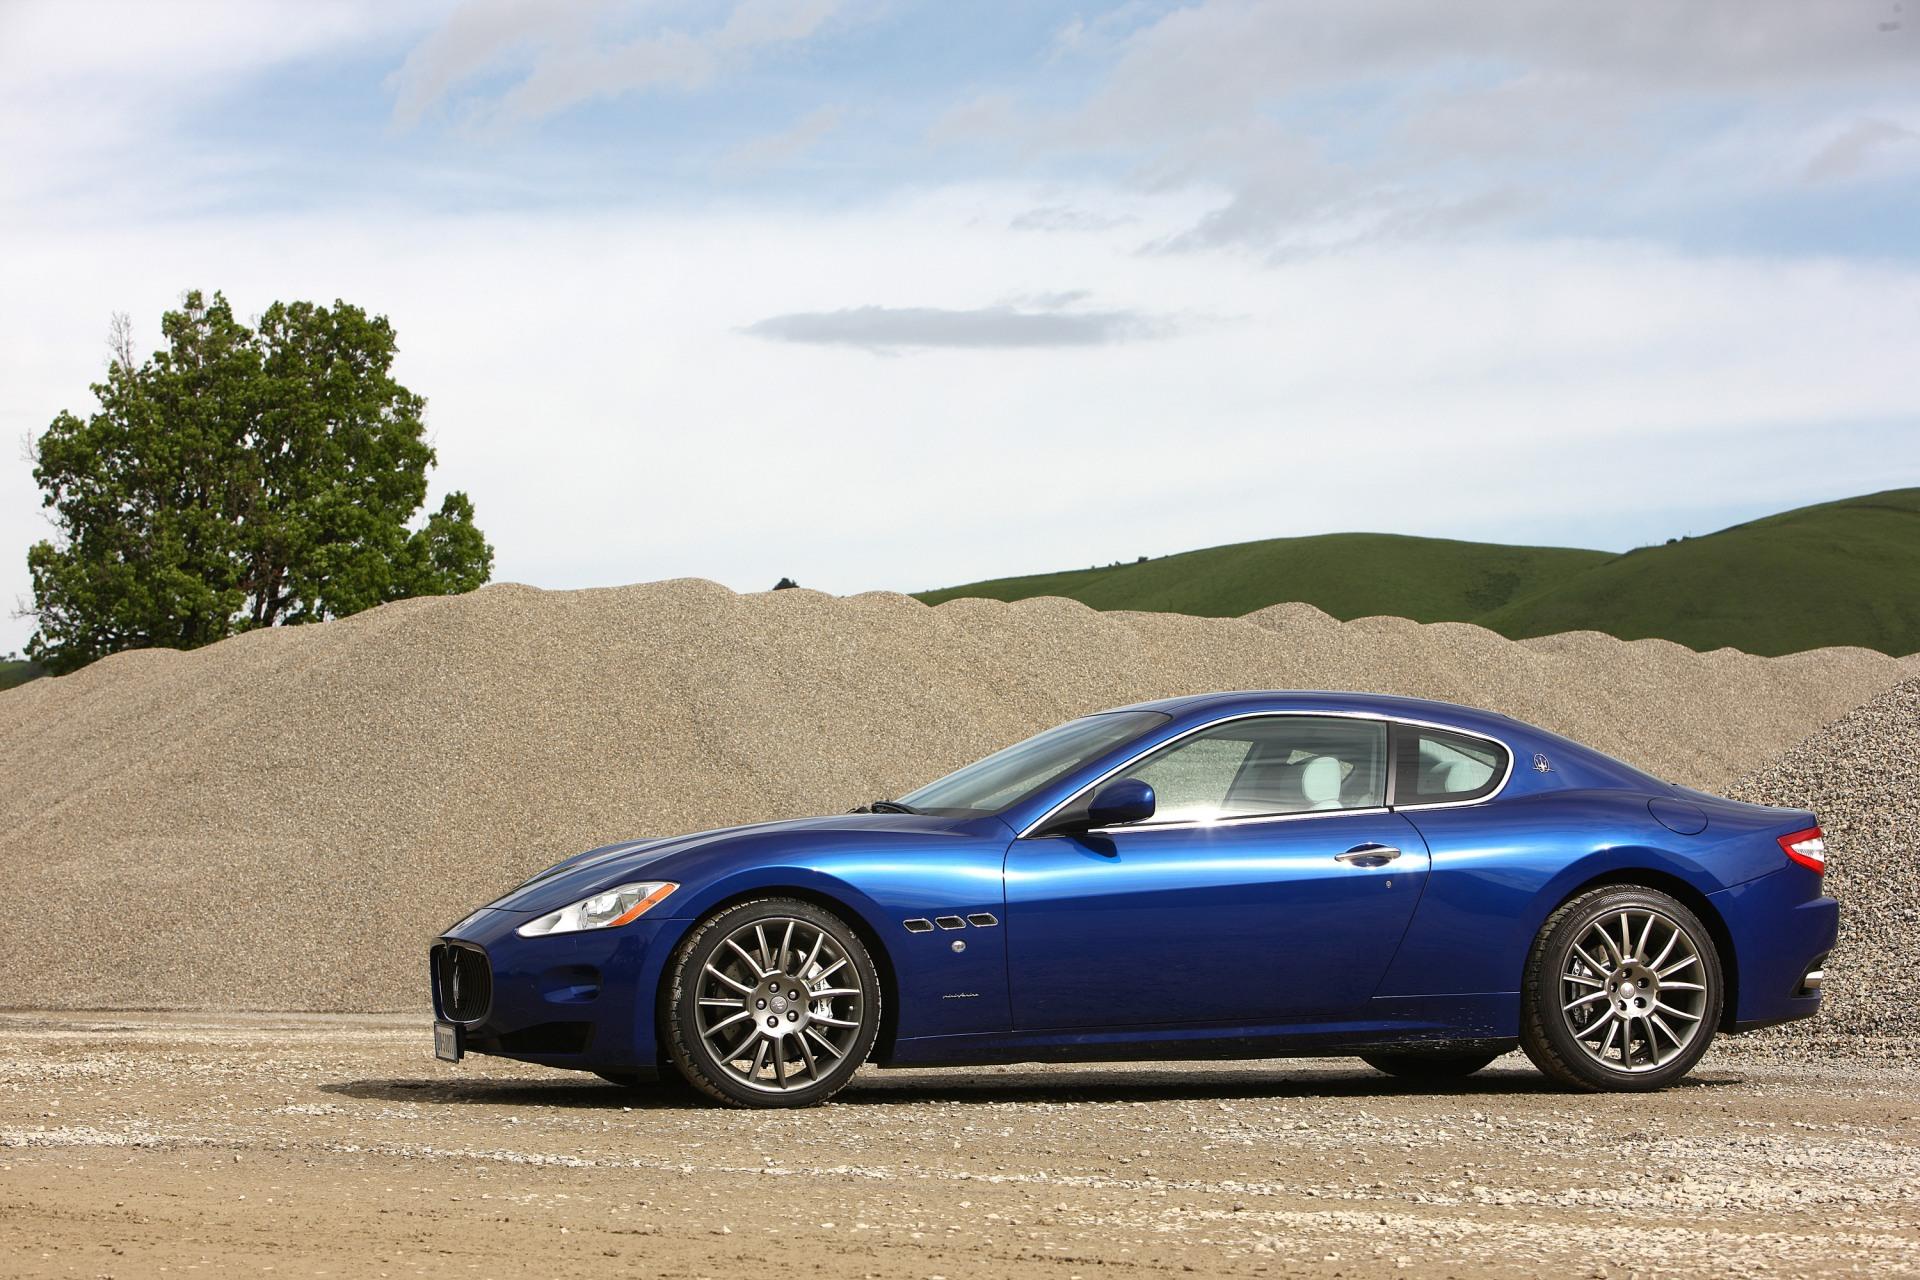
pixel 1272 883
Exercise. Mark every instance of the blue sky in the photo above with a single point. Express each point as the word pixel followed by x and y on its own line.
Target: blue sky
pixel 889 295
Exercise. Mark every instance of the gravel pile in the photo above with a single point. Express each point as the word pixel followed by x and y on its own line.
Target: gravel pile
pixel 1861 776
pixel 283 820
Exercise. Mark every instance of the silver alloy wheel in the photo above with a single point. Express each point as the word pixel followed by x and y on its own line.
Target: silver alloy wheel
pixel 779 1004
pixel 1630 992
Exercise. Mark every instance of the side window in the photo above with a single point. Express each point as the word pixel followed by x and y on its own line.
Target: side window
pixel 1433 766
pixel 1268 765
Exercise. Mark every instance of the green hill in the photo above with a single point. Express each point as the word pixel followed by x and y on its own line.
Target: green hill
pixel 1843 572
pixel 1350 575
pixel 13 673
pixel 1840 573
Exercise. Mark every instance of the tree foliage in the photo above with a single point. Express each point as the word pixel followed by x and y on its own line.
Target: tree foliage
pixel 241 478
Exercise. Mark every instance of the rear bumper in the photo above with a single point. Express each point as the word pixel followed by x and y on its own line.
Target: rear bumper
pixel 581 1000
pixel 1780 927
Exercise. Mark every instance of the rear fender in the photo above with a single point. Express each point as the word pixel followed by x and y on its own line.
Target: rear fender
pixel 1493 883
pixel 1678 876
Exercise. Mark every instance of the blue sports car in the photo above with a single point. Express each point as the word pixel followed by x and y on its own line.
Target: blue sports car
pixel 1233 875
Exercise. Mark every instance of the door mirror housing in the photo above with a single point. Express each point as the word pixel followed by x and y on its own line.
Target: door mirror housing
pixel 1121 801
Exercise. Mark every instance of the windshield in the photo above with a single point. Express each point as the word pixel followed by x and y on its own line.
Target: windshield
pixel 1005 778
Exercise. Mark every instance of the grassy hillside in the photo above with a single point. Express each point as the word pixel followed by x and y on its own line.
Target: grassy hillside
pixel 1839 573
pixel 1350 575
pixel 13 673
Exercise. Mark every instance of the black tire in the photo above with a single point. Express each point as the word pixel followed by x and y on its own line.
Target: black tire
pixel 1545 1033
pixel 1433 1065
pixel 701 1064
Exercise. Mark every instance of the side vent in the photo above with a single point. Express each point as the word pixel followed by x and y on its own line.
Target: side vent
pixel 950 922
pixel 919 926
pixel 982 920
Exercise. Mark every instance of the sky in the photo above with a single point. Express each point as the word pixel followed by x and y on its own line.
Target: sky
pixel 888 295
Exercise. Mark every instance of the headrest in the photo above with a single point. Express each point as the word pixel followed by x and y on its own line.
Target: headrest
pixel 1320 783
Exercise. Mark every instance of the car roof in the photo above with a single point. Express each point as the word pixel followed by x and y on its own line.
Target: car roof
pixel 1599 769
pixel 1383 704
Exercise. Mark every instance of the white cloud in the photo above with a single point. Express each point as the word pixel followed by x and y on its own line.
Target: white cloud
pixel 1228 55
pixel 1063 217
pixel 558 55
pixel 479 36
pixel 589 383
pixel 139 43
pixel 892 329
pixel 1330 122
pixel 785 146
pixel 93 95
pixel 1859 147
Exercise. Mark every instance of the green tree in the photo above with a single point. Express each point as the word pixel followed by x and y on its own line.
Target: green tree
pixel 241 478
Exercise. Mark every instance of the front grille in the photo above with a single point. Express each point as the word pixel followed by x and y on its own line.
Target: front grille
pixel 463 980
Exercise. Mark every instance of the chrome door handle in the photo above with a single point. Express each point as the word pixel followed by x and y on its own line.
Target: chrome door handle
pixel 1368 855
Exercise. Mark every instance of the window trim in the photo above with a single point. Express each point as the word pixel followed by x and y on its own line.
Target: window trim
pixel 1392 764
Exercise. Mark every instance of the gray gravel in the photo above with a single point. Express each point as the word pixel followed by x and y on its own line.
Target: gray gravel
pixel 328 1145
pixel 1861 776
pixel 283 820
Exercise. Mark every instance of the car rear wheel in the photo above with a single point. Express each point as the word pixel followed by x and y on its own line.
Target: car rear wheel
pixel 773 1002
pixel 1429 1065
pixel 1622 991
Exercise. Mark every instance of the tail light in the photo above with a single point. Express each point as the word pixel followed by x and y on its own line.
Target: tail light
pixel 1808 848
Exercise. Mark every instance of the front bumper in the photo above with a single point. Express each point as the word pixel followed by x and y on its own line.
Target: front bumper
pixel 580 1000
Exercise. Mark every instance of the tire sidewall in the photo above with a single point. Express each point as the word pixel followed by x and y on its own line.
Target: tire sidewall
pixel 679 1017
pixel 1549 961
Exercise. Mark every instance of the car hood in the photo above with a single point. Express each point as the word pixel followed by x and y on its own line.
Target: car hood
pixel 689 858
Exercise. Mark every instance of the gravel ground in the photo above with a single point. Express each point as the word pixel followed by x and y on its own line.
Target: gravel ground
pixel 330 1145
pixel 332 796
pixel 1861 776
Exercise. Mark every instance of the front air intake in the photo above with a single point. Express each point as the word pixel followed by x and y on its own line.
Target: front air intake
pixel 463 981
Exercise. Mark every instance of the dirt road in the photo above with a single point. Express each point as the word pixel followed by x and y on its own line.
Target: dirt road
pixel 137 1145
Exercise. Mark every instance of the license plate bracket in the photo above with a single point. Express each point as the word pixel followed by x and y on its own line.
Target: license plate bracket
pixel 448 1043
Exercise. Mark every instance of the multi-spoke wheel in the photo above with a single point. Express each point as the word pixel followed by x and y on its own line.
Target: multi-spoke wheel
pixel 1622 991
pixel 772 1003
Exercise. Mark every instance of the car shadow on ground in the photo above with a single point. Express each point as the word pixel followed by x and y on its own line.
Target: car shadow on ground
pixel 1080 1086
pixel 1048 1085
pixel 585 1091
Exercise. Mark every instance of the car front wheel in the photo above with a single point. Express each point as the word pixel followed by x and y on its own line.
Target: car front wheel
pixel 774 1002
pixel 1622 991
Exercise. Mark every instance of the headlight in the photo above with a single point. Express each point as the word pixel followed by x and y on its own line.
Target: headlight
pixel 606 910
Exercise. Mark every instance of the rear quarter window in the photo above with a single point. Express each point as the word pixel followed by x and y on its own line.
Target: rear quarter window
pixel 1438 766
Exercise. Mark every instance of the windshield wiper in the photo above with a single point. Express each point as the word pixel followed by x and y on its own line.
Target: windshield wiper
pixel 886 806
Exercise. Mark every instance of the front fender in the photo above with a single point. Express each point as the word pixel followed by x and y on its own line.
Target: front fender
pixel 935 987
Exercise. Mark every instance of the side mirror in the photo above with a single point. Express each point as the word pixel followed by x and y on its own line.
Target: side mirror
pixel 1121 801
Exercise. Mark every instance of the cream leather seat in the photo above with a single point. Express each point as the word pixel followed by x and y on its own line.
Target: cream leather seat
pixel 1320 783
